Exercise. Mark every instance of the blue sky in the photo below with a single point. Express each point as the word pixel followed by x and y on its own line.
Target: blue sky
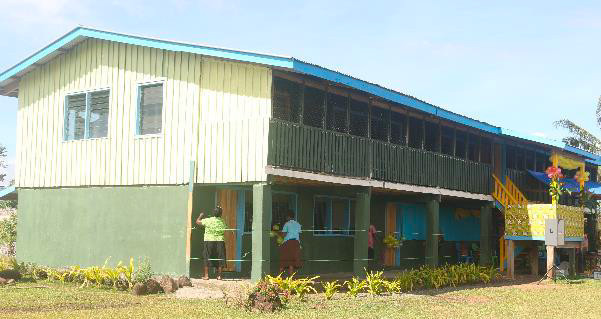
pixel 516 64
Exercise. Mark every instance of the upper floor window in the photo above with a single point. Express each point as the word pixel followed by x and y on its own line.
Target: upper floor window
pixel 359 118
pixel 337 113
pixel 86 115
pixel 379 124
pixel 150 109
pixel 287 99
pixel 314 107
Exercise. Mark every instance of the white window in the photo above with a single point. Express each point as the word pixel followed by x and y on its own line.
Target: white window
pixel 150 109
pixel 86 115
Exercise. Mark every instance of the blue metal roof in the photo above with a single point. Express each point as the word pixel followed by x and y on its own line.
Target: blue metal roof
pixel 12 74
pixel 8 193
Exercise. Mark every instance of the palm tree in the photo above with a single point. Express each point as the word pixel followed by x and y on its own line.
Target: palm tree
pixel 579 137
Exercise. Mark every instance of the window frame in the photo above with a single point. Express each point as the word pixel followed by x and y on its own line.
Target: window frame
pixel 139 87
pixel 328 232
pixel 86 134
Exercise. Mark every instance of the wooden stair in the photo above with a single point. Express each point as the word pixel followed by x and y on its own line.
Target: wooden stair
pixel 507 194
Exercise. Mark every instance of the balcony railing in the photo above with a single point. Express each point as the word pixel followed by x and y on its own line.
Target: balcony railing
pixel 311 149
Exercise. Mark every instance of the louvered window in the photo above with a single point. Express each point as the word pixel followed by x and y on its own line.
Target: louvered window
pixel 86 115
pixel 150 109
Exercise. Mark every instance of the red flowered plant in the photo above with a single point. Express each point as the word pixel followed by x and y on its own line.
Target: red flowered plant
pixel 555 186
pixel 554 172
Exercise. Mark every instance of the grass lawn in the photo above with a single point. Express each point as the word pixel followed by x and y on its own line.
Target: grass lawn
pixel 524 300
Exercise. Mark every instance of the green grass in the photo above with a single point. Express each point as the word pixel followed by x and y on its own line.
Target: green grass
pixel 520 301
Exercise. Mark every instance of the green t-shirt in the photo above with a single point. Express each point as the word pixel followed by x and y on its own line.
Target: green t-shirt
pixel 214 228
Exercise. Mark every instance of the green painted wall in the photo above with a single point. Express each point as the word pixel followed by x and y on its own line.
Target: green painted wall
pixel 85 226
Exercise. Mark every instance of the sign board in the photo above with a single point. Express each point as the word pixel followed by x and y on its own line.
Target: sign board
pixel 597 275
pixel 554 232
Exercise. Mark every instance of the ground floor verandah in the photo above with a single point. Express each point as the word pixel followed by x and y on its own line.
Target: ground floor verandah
pixel 88 225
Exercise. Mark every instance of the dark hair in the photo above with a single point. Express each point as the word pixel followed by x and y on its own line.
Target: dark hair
pixel 217 211
pixel 291 214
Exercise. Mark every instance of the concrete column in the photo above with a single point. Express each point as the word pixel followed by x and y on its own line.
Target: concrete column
pixel 432 231
pixel 533 255
pixel 485 228
pixel 550 261
pixel 261 226
pixel 511 258
pixel 361 227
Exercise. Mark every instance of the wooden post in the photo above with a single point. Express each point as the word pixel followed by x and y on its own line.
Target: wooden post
pixel 485 225
pixel 550 261
pixel 534 259
pixel 502 254
pixel 582 172
pixel 572 256
pixel 261 226
pixel 362 221
pixel 511 259
pixel 432 231
pixel 189 218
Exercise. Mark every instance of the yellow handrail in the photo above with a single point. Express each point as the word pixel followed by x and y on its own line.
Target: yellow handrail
pixel 501 194
pixel 515 192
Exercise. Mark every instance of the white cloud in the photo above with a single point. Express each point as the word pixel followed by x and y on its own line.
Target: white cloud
pixel 539 134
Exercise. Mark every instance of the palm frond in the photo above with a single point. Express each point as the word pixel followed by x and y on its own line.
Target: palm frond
pixel 580 137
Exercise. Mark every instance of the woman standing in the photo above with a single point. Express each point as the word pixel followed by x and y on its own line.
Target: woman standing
pixel 290 249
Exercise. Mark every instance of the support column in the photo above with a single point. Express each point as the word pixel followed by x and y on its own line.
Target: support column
pixel 485 227
pixel 511 259
pixel 572 256
pixel 533 254
pixel 550 261
pixel 261 226
pixel 432 231
pixel 361 227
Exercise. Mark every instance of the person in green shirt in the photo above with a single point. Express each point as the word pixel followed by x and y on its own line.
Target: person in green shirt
pixel 214 244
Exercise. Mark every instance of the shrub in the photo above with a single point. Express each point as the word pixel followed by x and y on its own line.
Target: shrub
pixel 330 288
pixel 355 286
pixel 265 296
pixel 8 233
pixel 144 271
pixel 375 282
pixel 299 287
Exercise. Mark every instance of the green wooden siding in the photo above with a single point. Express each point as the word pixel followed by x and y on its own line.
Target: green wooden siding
pixel 312 149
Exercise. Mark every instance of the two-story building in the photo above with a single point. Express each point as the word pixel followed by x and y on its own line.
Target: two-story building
pixel 123 140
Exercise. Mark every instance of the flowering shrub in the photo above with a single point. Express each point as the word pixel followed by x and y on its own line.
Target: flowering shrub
pixel 392 242
pixel 555 186
pixel 265 296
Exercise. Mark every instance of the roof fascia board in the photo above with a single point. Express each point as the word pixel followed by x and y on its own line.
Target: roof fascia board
pixel 190 48
pixel 40 55
pixel 153 43
pixel 532 138
pixel 580 152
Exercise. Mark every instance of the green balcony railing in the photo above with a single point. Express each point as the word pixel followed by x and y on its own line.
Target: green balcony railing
pixel 311 149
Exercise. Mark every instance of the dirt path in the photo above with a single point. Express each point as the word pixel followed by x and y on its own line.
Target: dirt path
pixel 212 289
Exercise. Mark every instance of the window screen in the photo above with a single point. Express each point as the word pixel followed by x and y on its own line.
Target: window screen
pixel 282 205
pixel 75 117
pixel 337 112
pixel 474 148
pixel 431 138
pixel 486 151
pixel 519 158
pixel 150 112
pixel 461 145
pixel 416 132
pixel 287 99
pixel 530 160
pixel 510 157
pixel 359 117
pixel 314 107
pixel 397 128
pixel 379 124
pixel 99 114
pixel 447 137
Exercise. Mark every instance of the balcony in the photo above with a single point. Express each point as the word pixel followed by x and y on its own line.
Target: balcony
pixel 305 148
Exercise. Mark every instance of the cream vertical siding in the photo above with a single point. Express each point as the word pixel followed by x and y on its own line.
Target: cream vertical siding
pixel 215 112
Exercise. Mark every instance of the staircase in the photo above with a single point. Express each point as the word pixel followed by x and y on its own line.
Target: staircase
pixel 507 194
